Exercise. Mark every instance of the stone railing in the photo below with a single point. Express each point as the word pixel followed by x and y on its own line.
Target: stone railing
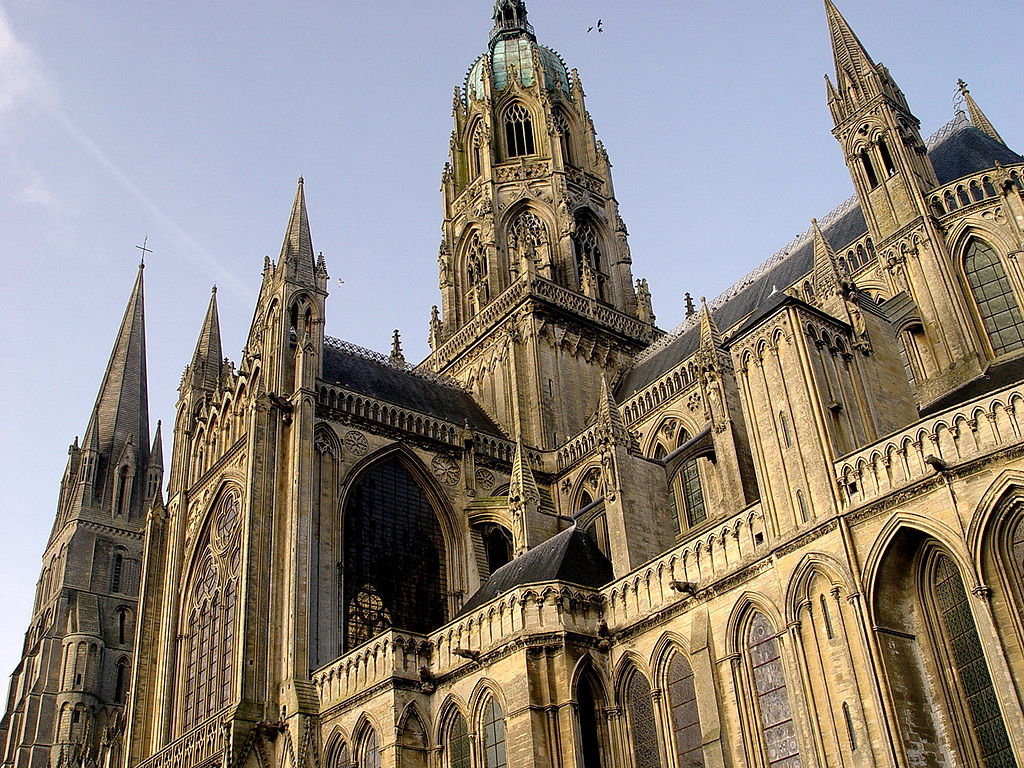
pixel 970 190
pixel 195 747
pixel 542 288
pixel 713 553
pixel 937 444
pixel 579 447
pixel 381 412
pixel 385 657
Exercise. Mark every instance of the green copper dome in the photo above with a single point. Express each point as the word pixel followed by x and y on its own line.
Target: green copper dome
pixel 517 53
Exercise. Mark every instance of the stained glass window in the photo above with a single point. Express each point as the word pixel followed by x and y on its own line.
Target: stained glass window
pixel 394 567
pixel 778 732
pixel 993 293
pixel 1017 547
pixel 518 131
pixel 458 743
pixel 642 728
pixel 964 645
pixel 369 750
pixel 682 702
pixel 494 736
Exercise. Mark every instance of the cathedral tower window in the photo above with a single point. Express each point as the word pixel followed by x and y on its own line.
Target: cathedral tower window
pixel 525 236
pixel 589 259
pixel 869 168
pixel 457 743
pixel 682 702
pixel 887 163
pixel 495 752
pixel 994 297
pixel 519 131
pixel 693 492
pixel 124 671
pixel 394 567
pixel 498 545
pixel 477 273
pixel 122 498
pixel 773 711
pixel 117 572
pixel 643 732
pixel 960 641
pixel 564 136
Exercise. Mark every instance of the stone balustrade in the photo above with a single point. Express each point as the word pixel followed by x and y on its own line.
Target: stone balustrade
pixel 199 745
pixel 714 551
pixel 971 190
pixel 939 443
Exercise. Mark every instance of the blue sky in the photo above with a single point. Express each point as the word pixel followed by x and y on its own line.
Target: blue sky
pixel 190 121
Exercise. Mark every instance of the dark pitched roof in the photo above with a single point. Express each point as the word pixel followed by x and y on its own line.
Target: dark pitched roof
pixel 957 150
pixel 569 556
pixel 359 372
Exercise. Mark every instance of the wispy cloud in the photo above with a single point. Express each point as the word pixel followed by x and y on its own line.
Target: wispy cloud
pixel 23 84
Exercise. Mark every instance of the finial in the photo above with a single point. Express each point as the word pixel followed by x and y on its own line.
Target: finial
pixel 145 250
pixel 690 309
pixel 397 358
pixel 213 290
pixel 300 180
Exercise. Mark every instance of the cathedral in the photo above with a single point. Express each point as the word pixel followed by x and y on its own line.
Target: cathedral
pixel 787 533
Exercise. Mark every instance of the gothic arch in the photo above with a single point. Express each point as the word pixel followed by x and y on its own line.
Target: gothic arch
pixel 811 564
pixel 337 746
pixel 451 707
pixel 630 660
pixel 748 603
pixel 1003 490
pixel 668 644
pixel 484 689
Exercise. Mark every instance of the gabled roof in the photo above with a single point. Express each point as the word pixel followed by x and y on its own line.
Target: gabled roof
pixel 958 149
pixel 361 371
pixel 569 556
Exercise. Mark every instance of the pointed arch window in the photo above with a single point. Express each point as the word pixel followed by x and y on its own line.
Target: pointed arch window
pixel 589 259
pixel 477 272
pixel 692 490
pixel 525 237
pixel 519 131
pixel 771 696
pixel 887 163
pixel 643 732
pixel 682 702
pixel 475 162
pixel 122 498
pixel 495 752
pixel 564 136
pixel 994 297
pixel 124 671
pixel 369 750
pixel 458 743
pixel 117 572
pixel 959 636
pixel 389 520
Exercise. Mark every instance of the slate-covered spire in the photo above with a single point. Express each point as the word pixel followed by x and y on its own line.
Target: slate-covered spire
pixel 826 278
pixel 850 55
pixel 978 118
pixel 208 359
pixel 710 336
pixel 121 413
pixel 155 468
pixel 297 255
pixel 523 497
pixel 611 427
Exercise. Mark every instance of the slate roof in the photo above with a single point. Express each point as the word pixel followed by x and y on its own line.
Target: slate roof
pixel 958 150
pixel 359 371
pixel 569 556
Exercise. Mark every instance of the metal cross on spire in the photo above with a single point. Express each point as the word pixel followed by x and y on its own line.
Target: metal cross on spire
pixel 145 250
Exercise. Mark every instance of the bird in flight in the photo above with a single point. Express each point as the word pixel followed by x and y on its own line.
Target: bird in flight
pixel 599 27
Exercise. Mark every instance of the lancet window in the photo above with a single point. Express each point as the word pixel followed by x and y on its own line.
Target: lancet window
pixel 682 701
pixel 588 712
pixel 519 131
pixel 495 752
pixel 564 136
pixel 525 237
pixel 959 636
pixel 369 750
pixel 589 259
pixel 477 272
pixel 643 732
pixel 773 710
pixel 208 648
pixel 994 296
pixel 394 567
pixel 458 743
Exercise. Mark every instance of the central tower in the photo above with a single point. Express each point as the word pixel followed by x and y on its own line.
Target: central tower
pixel 537 295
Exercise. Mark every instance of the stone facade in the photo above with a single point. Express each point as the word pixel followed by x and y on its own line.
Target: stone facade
pixel 790 532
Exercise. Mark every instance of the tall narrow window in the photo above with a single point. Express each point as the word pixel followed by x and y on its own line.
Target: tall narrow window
pixel 116 572
pixel 475 164
pixel 968 660
pixel 123 497
pixel 369 750
pixel 850 730
pixel 869 168
pixel 122 620
pixel 682 701
pixel 121 682
pixel 693 493
pixel 826 618
pixel 458 743
pixel 887 163
pixel 642 730
pixel 518 131
pixel 784 427
pixel 994 296
pixel 564 136
pixel 477 271
pixel 524 238
pixel 774 712
pixel 388 519
pixel 588 713
pixel 495 753
pixel 589 260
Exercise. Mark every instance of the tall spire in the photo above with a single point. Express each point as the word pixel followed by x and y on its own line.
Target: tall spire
pixel 121 412
pixel 978 118
pixel 297 252
pixel 850 55
pixel 825 275
pixel 208 357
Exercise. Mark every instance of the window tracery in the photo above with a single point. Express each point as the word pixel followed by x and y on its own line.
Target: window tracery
pixel 519 131
pixel 525 237
pixel 642 729
pixel 564 136
pixel 389 519
pixel 685 719
pixel 994 297
pixel 495 753
pixel 477 271
pixel 458 743
pixel 589 259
